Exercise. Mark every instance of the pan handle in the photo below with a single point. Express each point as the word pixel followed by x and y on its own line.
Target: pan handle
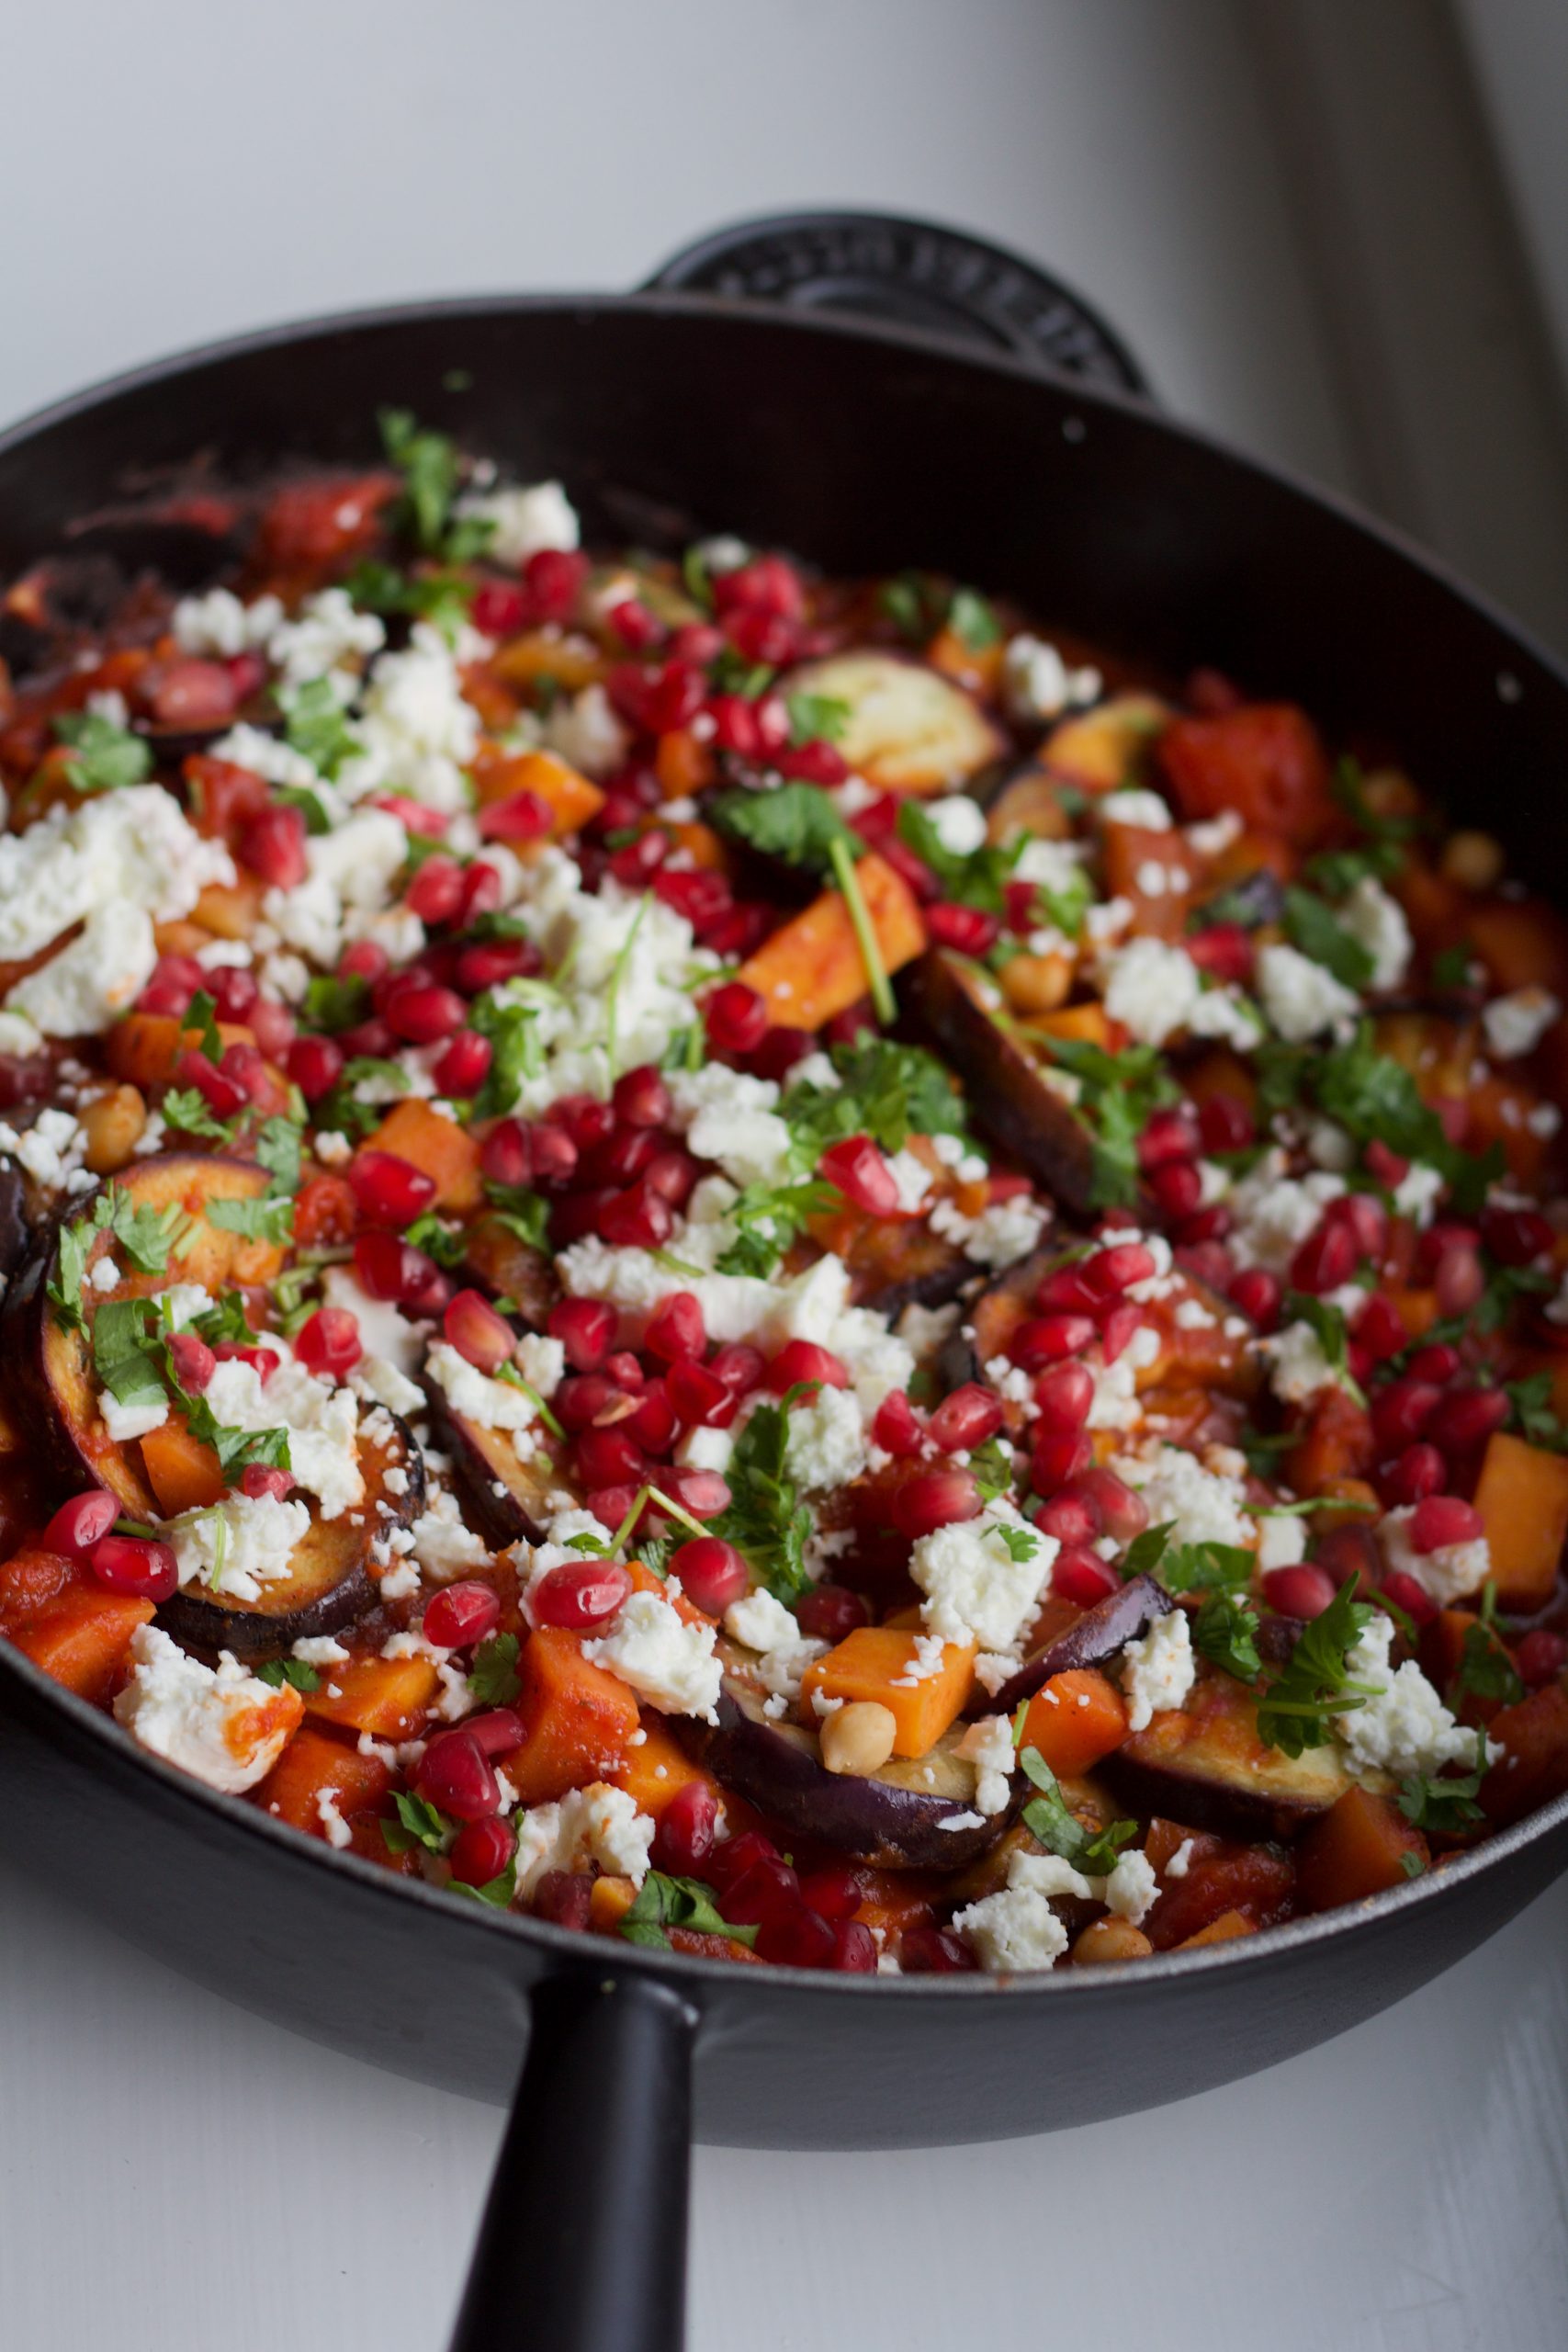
pixel 582 2247
pixel 912 273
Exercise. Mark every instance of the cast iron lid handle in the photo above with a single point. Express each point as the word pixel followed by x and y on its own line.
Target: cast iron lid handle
pixel 914 274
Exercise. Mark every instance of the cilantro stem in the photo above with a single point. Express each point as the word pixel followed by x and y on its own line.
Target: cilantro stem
pixel 674 1512
pixel 617 973
pixel 841 858
pixel 513 1378
pixel 673 1265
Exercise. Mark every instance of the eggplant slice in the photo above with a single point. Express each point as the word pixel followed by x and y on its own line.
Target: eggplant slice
pixel 1009 1098
pixel 510 1268
pixel 986 1331
pixel 894 1818
pixel 508 1500
pixel 1098 1637
pixel 906 729
pixel 331 1582
pixel 53 1366
pixel 1204 1765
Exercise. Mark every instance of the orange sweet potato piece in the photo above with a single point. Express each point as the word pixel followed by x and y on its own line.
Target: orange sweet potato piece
pixel 655 1770
pixel 312 1766
pixel 1223 1930
pixel 1074 1720
pixel 388 1697
pixel 875 1662
pixel 1522 1495
pixel 1135 857
pixel 144 1046
pixel 1362 1845
pixel 571 662
pixel 570 797
pixel 1522 942
pixel 30 1580
pixel 576 1719
pixel 1336 1442
pixel 1254 1881
pixel 609 1901
pixel 684 766
pixel 1089 1023
pixel 812 967
pixel 81 1638
pixel 183 1472
pixel 448 1155
pixel 1535 1769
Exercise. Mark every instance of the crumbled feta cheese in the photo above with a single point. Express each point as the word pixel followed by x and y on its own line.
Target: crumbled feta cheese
pixel 1146 810
pixel 1302 999
pixel 1405 1727
pixel 827 1444
pixel 127 849
pixel 238 1545
pixel 218 625
pixel 1376 922
pixel 988 1746
pixel 338 1832
pixel 1037 683
pixel 322 1423
pixel 320 1649
pixel 1151 988
pixel 1449 1574
pixel 597 1824
pixel 729 1117
pixel 667 1661
pixel 959 823
pixel 1180 1862
pixel 492 1404
pixel 1002 1234
pixel 328 633
pixel 1205 1506
pixel 220 1724
pixel 443 1545
pixel 124 1422
pixel 1014 1932
pixel 1297 1366
pixel 50 1152
pixel 1515 1024
pixel 524 518
pixel 1281 1542
pixel 1274 1213
pixel 1131 1888
pixel 1417 1192
pixel 542 1363
pixel 582 729
pixel 977 1589
pixel 913 1178
pixel 1157 1669
pixel 761 1622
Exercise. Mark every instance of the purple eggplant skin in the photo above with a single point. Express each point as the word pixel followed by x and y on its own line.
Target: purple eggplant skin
pixel 509 1501
pixel 329 1586
pixel 1009 1100
pixel 885 1818
pixel 991 1318
pixel 14 1234
pixel 1099 1637
pixel 1210 1771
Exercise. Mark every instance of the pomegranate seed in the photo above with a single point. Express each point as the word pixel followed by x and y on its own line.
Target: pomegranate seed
pixel 85 1521
pixel 586 1330
pixel 580 1593
pixel 436 891
pixel 385 1267
pixel 234 992
pixel 1064 1395
pixel 1408 1593
pixel 801 1939
pixel 1070 1517
pixel 897 1428
pixel 712 1574
pixel 1465 1419
pixel 935 1951
pixel 1121 1328
pixel 1301 1591
pixel 553 578
pixel 1168 1138
pixel 831 1611
pixel 244 1066
pixel 1516 1236
pixel 763 638
pixel 611 1505
pixel 1111 1270
pixel 273 847
pixel 259 1478
pixel 676 1329
pixel 1388 1167
pixel 372 1039
pixel 563 1897
pixel 219 1091
pixel 506 1155
pixel 734 726
pixel 1178 1187
pixel 702 1493
pixel 849 1028
pixel 328 1342
pixel 480 1335
pixel 1050 1339
pixel 500 609
pixel 1199 1238
pixel 457 1776
pixel 674 1176
pixel 701 896
pixel 736 1019
pixel 128 1563
pixel 802 1359
pixel 1122 1513
pixel 1225 1124
pixel 389 1191
pixel 492 962
pixel 580 1399
pixel 626 1370
pixel 461 1615
pixel 1439 1521
pixel 316 1064
pixel 741 1368
pixel 366 959
pixel 1325 1258
pixel 697 1396
pixel 636 1219
pixel 966 1419
pixel 273 1026
pixel 686 1830
pixel 833 1893
pixel 191 694
pixel 608 1458
pixel 1414 1475
pixel 735 1856
pixel 263 1361
pixel 1065 1293
pixel 481 896
pixel 767 1890
pixel 1540 1657
pixel 1349 1551
pixel 1081 1575
pixel 422 1015
pixel 965 929
pixel 641 1099
pixel 1458 1281
pixel 1400 1412
pixel 1225 950
pixel 1437 1364
pixel 764 583
pixel 1380 1328
pixel 521 817
pixel 462 1068
pixel 936 1498
pixel 1366 1220
pixel 779 1052
pixel 482 1849
pixel 193 1361
pixel 1060 1456
pixel 860 1171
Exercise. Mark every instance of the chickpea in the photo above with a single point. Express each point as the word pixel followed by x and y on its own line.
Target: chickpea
pixel 1037 983
pixel 180 938
pixel 1111 1938
pixel 113 1124
pixel 858 1737
pixel 1473 860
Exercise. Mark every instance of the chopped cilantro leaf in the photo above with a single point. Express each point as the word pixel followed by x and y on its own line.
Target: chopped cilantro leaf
pixel 317 726
pixel 1049 1817
pixel 1315 1683
pixel 1310 927
pixel 663 1902
pixel 493 1678
pixel 104 758
pixel 1226 1632
pixel 418 1824
pixel 972 619
pixel 796 823
pixel 1446 1802
pixel 263 1220
pixel 765 1518
pixel 1119 1090
pixel 292 1670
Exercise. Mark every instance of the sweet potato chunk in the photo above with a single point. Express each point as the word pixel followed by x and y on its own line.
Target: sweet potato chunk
pixel 81 1639
pixel 877 1662
pixel 445 1152
pixel 812 967
pixel 313 1765
pixel 576 1719
pixel 1074 1720
pixel 388 1697
pixel 1522 1495
pixel 1362 1845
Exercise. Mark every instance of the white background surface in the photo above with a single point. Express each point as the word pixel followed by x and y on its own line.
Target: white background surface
pixel 175 2176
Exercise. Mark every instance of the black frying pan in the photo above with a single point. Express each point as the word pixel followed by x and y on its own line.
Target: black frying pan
pixel 869 447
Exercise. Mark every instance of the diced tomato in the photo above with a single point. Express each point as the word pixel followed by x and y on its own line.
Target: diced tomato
pixel 1265 761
